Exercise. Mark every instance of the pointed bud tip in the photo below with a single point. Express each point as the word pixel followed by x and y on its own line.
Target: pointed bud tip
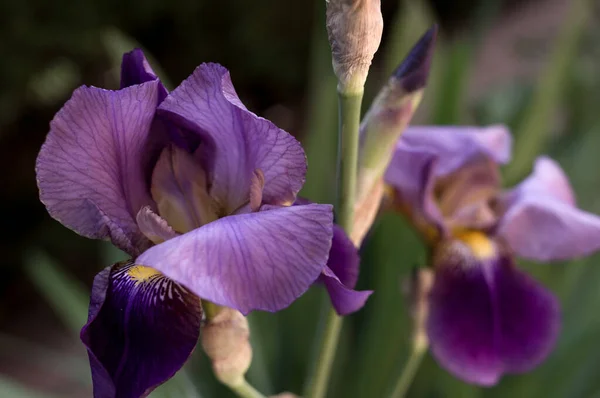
pixel 414 70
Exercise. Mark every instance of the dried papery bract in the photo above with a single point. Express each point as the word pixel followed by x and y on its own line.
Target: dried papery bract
pixel 354 29
pixel 225 339
pixel 382 126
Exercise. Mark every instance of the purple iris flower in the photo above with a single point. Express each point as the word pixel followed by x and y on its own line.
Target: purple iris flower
pixel 486 317
pixel 198 191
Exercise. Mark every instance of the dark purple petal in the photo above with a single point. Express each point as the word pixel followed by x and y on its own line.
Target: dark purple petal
pixel 540 220
pixel 261 260
pixel 341 274
pixel 135 69
pixel 344 299
pixel 413 72
pixel 411 173
pixel 487 318
pixel 141 329
pixel 238 142
pixel 344 260
pixel 90 171
pixel 456 146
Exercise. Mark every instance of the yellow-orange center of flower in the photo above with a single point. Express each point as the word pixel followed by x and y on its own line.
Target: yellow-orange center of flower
pixel 140 273
pixel 481 246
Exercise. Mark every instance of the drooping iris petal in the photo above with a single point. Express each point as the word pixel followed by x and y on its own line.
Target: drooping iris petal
pixel 141 329
pixel 411 174
pixel 344 299
pixel 135 69
pixel 488 318
pixel 262 260
pixel 90 171
pixel 540 220
pixel 341 274
pixel 241 142
pixel 455 146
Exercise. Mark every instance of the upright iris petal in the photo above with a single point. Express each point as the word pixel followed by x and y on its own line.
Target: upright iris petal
pixel 486 317
pixel 90 169
pixel 240 142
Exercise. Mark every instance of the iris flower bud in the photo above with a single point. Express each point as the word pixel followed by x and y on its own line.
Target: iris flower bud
pixel 382 126
pixel 354 29
pixel 225 339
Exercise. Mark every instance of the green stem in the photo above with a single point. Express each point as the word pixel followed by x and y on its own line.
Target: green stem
pixel 409 372
pixel 349 116
pixel 245 390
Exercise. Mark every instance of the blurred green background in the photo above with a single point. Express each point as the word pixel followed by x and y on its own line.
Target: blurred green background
pixel 533 65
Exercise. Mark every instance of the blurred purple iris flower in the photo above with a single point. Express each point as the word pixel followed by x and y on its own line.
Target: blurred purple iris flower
pixel 486 317
pixel 198 191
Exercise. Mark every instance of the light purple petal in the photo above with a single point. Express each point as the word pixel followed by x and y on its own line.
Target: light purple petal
pixel 545 229
pixel 344 299
pixel 135 69
pixel 253 261
pixel 546 180
pixel 455 146
pixel 141 329
pixel 238 142
pixel 487 318
pixel 540 220
pixel 411 173
pixel 90 171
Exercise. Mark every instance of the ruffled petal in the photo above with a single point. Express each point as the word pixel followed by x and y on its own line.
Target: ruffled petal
pixel 456 146
pixel 341 274
pixel 255 261
pixel 141 329
pixel 487 318
pixel 540 220
pixel 135 69
pixel 238 142
pixel 91 170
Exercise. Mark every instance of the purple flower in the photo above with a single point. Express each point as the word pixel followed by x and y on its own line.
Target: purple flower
pixel 487 317
pixel 197 190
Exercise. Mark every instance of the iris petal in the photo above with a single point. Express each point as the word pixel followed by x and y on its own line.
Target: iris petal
pixel 135 69
pixel 91 170
pixel 487 318
pixel 341 274
pixel 411 173
pixel 141 329
pixel 240 142
pixel 458 145
pixel 540 220
pixel 262 260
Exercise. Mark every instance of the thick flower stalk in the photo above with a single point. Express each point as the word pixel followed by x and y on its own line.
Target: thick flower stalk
pixel 383 124
pixel 198 191
pixel 485 316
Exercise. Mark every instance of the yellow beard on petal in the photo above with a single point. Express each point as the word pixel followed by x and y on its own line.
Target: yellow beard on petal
pixel 140 273
pixel 481 246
